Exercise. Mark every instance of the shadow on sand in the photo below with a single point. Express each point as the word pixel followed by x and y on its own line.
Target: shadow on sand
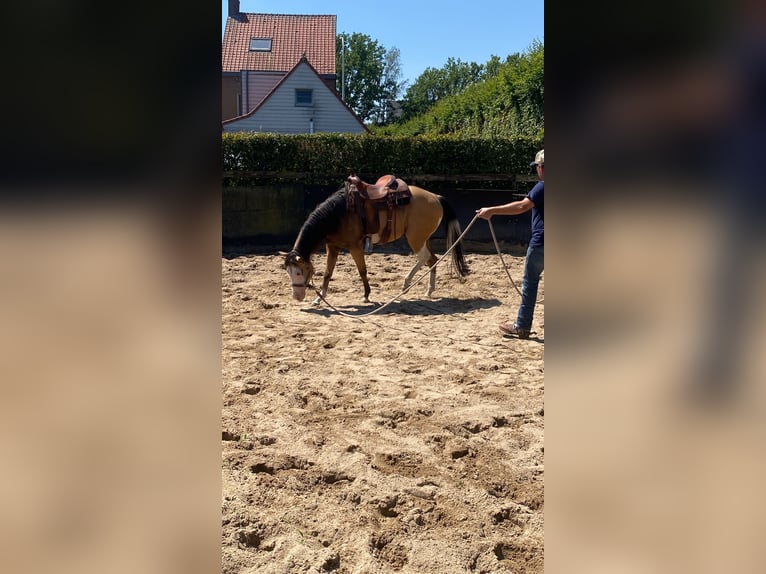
pixel 421 307
pixel 540 340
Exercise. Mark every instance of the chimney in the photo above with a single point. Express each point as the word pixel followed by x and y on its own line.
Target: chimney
pixel 234 9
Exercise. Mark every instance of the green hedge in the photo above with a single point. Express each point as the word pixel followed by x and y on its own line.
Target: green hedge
pixel 328 158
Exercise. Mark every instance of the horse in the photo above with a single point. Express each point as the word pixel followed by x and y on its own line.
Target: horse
pixel 339 225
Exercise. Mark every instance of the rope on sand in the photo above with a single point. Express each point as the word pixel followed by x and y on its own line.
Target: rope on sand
pixel 424 274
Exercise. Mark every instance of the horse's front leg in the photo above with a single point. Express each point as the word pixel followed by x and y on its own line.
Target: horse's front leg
pixel 332 258
pixel 361 266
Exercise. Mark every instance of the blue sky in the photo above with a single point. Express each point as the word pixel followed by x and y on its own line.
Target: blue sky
pixel 427 32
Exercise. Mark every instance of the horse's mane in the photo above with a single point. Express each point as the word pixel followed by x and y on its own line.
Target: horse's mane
pixel 321 222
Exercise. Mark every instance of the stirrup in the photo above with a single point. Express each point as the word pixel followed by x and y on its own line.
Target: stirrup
pixel 367 245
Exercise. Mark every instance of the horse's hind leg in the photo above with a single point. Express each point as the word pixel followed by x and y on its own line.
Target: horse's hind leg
pixel 432 264
pixel 424 256
pixel 332 259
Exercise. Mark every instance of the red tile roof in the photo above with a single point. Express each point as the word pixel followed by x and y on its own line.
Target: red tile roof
pixel 292 36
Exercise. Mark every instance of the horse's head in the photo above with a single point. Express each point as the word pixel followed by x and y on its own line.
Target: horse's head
pixel 300 271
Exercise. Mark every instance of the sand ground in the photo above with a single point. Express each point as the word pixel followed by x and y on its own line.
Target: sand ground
pixel 406 441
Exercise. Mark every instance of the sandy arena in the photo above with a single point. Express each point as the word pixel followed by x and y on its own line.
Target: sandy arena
pixel 408 441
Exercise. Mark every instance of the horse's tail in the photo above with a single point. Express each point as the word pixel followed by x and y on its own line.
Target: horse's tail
pixel 452 231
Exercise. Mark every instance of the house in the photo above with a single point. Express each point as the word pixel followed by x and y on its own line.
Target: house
pixel 300 103
pixel 279 74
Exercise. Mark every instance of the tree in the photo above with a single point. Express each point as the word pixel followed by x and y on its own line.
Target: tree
pixel 433 85
pixel 368 76
pixel 388 108
pixel 492 67
pixel 509 100
pixel 423 94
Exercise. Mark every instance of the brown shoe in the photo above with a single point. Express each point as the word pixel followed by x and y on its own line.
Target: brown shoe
pixel 514 329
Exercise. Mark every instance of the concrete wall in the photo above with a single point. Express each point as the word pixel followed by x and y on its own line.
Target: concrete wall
pixel 273 215
pixel 269 214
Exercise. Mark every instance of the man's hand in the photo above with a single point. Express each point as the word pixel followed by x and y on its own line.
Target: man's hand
pixel 484 213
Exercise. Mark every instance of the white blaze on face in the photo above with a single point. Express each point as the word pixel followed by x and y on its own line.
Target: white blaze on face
pixel 298 282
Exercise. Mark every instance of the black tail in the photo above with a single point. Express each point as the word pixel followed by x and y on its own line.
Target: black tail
pixel 452 231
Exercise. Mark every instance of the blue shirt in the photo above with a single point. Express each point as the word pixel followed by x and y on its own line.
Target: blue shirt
pixel 538 225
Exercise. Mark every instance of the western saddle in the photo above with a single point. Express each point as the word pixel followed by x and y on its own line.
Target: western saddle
pixel 387 193
pixel 380 188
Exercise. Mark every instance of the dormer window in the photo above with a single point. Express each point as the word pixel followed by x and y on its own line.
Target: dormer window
pixel 260 44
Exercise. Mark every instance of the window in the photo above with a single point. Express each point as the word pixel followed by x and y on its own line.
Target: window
pixel 260 44
pixel 304 97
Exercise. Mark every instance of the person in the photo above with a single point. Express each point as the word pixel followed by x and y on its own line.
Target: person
pixel 533 266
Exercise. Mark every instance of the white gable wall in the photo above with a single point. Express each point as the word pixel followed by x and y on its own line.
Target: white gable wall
pixel 279 113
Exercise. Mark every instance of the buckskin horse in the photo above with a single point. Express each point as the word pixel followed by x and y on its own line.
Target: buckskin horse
pixel 359 215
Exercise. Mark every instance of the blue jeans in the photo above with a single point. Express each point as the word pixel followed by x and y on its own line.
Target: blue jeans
pixel 533 268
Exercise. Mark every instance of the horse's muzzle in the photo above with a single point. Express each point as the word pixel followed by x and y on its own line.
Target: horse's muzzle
pixel 299 292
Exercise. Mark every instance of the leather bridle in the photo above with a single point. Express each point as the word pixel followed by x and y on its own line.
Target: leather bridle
pixel 293 259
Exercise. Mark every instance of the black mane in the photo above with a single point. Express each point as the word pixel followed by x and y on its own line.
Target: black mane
pixel 320 223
